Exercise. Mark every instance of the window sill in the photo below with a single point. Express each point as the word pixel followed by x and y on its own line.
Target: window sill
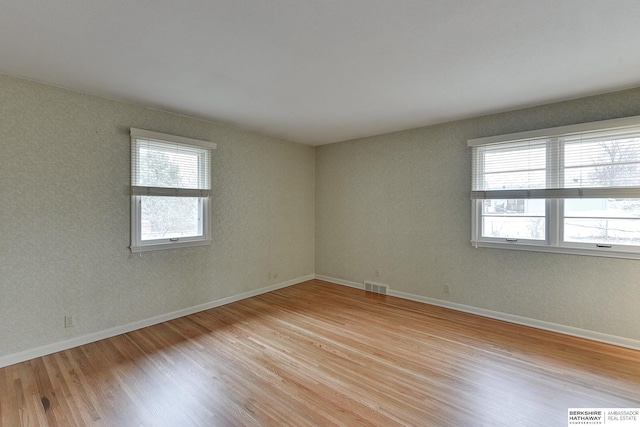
pixel 169 245
pixel 568 250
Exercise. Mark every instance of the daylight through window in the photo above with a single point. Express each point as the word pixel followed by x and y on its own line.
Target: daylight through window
pixel 170 185
pixel 572 189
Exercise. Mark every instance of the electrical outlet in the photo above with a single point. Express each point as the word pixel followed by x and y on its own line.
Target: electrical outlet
pixel 273 275
pixel 446 289
pixel 70 321
pixel 377 272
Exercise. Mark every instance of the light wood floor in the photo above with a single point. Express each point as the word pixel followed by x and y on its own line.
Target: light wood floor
pixel 322 354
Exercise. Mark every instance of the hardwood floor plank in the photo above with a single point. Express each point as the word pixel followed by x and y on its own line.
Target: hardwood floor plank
pixel 64 409
pixel 268 378
pixel 322 354
pixel 8 398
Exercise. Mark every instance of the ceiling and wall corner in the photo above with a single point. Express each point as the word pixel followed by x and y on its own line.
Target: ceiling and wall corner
pixel 395 209
pixel 65 217
pixel 320 72
pixel 310 72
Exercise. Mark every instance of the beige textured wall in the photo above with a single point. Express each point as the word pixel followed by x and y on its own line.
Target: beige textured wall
pixel 64 217
pixel 397 202
pixel 400 203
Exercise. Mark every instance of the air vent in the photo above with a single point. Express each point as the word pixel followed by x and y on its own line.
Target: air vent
pixel 375 287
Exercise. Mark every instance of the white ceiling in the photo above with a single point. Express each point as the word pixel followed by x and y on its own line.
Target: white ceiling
pixel 321 71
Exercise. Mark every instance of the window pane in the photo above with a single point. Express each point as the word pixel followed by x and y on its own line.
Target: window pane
pixel 171 167
pixel 519 167
pixel 514 218
pixel 514 207
pixel 517 157
pixel 611 208
pixel 621 175
pixel 170 217
pixel 515 180
pixel 514 228
pixel 602 163
pixel 602 221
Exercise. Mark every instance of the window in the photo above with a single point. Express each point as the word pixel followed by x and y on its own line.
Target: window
pixel 170 184
pixel 572 189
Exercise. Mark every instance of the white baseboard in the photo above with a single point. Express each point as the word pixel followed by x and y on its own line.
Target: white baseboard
pixel 512 318
pixel 340 281
pixel 22 356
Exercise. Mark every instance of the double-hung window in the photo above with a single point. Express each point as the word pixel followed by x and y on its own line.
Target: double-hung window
pixel 571 189
pixel 170 191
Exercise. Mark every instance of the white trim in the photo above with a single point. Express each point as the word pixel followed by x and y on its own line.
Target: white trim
pixel 202 149
pixel 180 243
pixel 511 318
pixel 602 252
pixel 560 193
pixel 340 281
pixel 147 134
pixel 140 190
pixel 602 125
pixel 553 190
pixel 22 356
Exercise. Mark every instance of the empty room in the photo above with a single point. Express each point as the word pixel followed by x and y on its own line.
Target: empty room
pixel 318 213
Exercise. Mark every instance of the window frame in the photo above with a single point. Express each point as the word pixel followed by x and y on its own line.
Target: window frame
pixel 202 194
pixel 554 196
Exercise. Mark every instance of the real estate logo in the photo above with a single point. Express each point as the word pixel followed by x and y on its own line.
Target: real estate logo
pixel 627 417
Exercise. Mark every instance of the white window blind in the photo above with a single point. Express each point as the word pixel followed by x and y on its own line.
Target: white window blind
pixel 170 189
pixel 589 164
pixel 165 168
pixel 573 188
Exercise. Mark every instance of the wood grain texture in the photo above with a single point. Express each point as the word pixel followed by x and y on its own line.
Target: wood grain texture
pixel 322 354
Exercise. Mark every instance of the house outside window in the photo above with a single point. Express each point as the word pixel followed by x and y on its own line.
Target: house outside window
pixel 170 191
pixel 571 189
